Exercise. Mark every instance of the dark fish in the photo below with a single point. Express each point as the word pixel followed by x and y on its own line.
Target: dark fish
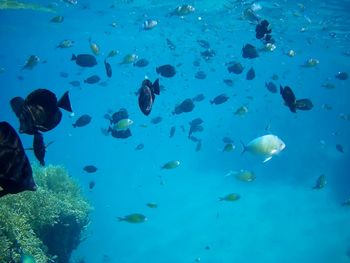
pixel 75 83
pixel 120 134
pixel 15 170
pixel 141 63
pixel 167 71
pixel 271 87
pixel 235 67
pixel 320 182
pixel 57 19
pixel 92 79
pixel 40 110
pixel 250 74
pixel 228 82
pixel 199 97
pixel 203 43
pixel 288 97
pixel 200 75
pixel 172 132
pixel 156 120
pixel 139 147
pixel 119 115
pixel 342 75
pixel 208 54
pixel 108 69
pixel 90 169
pixel 170 44
pixel 194 139
pixel 339 148
pixel 92 185
pixel 199 146
pixel 195 126
pixel 196 122
pixel 82 121
pixel 263 31
pixel 84 60
pixel 304 104
pixel 39 147
pixel 219 99
pixel 147 94
pixel 249 51
pixel 64 74
pixel 185 106
pixel 196 63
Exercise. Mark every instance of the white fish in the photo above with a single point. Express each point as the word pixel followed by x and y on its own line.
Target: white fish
pixel 266 146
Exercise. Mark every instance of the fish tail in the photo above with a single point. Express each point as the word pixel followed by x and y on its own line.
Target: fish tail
pixel 64 102
pixel 244 148
pixel 74 57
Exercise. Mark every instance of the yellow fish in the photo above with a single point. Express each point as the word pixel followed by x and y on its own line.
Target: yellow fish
pixel 123 124
pixel 229 147
pixel 152 205
pixel 230 197
pixel 171 165
pixel 94 47
pixel 243 175
pixel 266 146
pixel 133 218
pixel 130 58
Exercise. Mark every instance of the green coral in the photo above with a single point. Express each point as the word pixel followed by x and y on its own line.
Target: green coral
pixel 47 223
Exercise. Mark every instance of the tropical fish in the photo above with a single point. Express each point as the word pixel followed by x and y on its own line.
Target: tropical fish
pixel 57 19
pixel 266 146
pixel 341 75
pixel 90 168
pixel 108 69
pixel 167 71
pixel 312 62
pixel 263 31
pixel 149 24
pixel 219 99
pixel 230 197
pixel 171 165
pixel 339 148
pixel 133 218
pixel 250 74
pixel 241 111
pixel 235 67
pixel 84 60
pixel 199 97
pixel 123 124
pixel 82 121
pixel 249 51
pixel 172 131
pixel 147 94
pixel 92 79
pixel 199 146
pixel 92 185
pixel 271 87
pixel 139 147
pixel 129 58
pixel 186 105
pixel 320 182
pixel 170 44
pixel 152 205
pixel 229 147
pixel 195 126
pixel 243 175
pixel 94 47
pixel 183 10
pixel 15 171
pixel 31 62
pixel 141 63
pixel 288 97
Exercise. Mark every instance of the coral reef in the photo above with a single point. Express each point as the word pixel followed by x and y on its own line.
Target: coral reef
pixel 47 224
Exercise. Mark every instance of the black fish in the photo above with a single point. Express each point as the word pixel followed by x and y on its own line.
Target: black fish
pixel 288 97
pixel 250 74
pixel 15 171
pixel 141 63
pixel 84 60
pixel 342 75
pixel 235 67
pixel 39 147
pixel 219 99
pixel 119 115
pixel 108 69
pixel 185 106
pixel 40 110
pixel 271 87
pixel 147 94
pixel 90 168
pixel 249 51
pixel 263 31
pixel 304 104
pixel 198 97
pixel 170 44
pixel 82 121
pixel 172 132
pixel 120 134
pixel 167 71
pixel 92 79
pixel 208 54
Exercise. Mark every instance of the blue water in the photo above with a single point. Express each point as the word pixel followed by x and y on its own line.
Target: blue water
pixel 279 218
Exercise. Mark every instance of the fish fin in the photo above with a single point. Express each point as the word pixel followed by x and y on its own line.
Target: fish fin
pixel 155 87
pixel 267 159
pixel 74 57
pixel 64 102
pixel 244 148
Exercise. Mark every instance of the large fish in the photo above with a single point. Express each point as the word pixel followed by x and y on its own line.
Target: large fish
pixel 39 111
pixel 147 94
pixel 15 171
pixel 266 146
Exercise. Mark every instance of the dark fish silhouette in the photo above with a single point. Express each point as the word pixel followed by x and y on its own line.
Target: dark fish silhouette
pixel 263 31
pixel 92 79
pixel 139 147
pixel 249 51
pixel 116 117
pixel 92 185
pixel 250 74
pixel 342 75
pixel 200 75
pixel 172 131
pixel 108 69
pixel 167 71
pixel 39 147
pixel 235 67
pixel 90 169
pixel 39 111
pixel 271 87
pixel 203 43
pixel 15 170
pixel 141 63
pixel 170 44
pixel 82 121
pixel 199 146
pixel 84 60
pixel 219 99
pixel 208 54
pixel 199 97
pixel 147 94
pixel 195 126
pixel 156 120
pixel 185 106
pixel 288 97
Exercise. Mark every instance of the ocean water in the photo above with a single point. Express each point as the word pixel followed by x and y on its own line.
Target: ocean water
pixel 279 217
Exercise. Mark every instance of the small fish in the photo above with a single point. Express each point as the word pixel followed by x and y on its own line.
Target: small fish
pixel 172 131
pixel 229 147
pixel 129 59
pixel 320 182
pixel 92 185
pixel 230 197
pixel 171 165
pixel 170 44
pixel 31 62
pixel 156 120
pixel 147 94
pixel 235 67
pixel 250 74
pixel 198 146
pixel 249 51
pixel 108 69
pixel 304 104
pixel 342 75
pixel 92 79
pixel 312 62
pixel 123 124
pixel 219 99
pixel 90 168
pixel 149 24
pixel 139 147
pixel 82 121
pixel 141 63
pixel 75 83
pixel 84 60
pixel 183 10
pixel 271 87
pixel 339 148
pixel 200 75
pixel 266 146
pixel 167 71
pixel 112 53
pixel 186 105
pixel 152 205
pixel 241 111
pixel 64 74
pixel 133 218
pixel 57 19
pixel 208 54
pixel 288 97
pixel 199 97
pixel 243 175
pixel 94 47
pixel 67 43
